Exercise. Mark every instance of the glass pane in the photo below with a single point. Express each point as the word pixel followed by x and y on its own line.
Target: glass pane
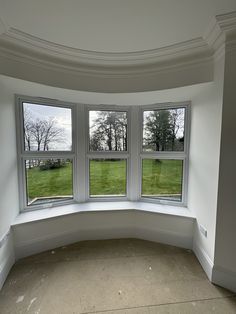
pixel 162 178
pixel 48 180
pixel 107 177
pixel 163 130
pixel 107 130
pixel 47 128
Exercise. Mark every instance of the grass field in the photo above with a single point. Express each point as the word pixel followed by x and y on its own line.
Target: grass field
pixel 107 178
pixel 46 183
pixel 162 177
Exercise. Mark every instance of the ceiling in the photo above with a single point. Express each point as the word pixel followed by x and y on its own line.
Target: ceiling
pixel 113 26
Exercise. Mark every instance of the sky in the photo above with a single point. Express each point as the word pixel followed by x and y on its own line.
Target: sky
pixel 62 117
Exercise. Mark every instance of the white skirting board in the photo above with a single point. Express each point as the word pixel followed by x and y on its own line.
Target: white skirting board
pixel 34 246
pixel 165 237
pixel 55 240
pixel 216 274
pixel 204 259
pixel 224 278
pixel 7 256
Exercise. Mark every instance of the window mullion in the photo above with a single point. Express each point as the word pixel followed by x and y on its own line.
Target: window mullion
pixel 81 144
pixel 135 147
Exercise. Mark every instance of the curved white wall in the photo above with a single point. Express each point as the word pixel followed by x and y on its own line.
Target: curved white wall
pixel 8 161
pixel 9 204
pixel 203 175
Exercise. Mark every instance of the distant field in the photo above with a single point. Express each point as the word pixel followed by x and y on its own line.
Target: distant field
pixel 107 178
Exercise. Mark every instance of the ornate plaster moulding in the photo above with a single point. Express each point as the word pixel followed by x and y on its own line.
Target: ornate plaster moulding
pixel 19 46
pixel 221 30
pixel 20 42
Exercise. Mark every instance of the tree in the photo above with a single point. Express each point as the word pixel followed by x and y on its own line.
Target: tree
pixel 27 129
pixel 177 125
pixel 52 133
pixel 109 131
pixel 41 133
pixel 161 129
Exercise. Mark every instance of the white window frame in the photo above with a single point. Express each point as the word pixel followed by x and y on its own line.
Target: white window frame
pixel 24 155
pixel 81 155
pixel 107 154
pixel 175 155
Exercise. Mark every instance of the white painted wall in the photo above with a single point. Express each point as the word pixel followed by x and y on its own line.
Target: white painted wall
pixel 225 250
pixel 204 162
pixel 9 204
pixel 203 176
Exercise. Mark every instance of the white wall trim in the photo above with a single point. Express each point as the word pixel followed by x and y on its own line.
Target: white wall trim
pixel 23 43
pixel 27 248
pixel 18 45
pixel 191 62
pixel 219 28
pixel 102 225
pixel 164 236
pixel 204 259
pixel 224 278
pixel 41 244
pixel 188 54
pixel 7 257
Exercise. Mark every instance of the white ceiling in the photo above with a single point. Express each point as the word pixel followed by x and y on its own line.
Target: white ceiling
pixel 113 25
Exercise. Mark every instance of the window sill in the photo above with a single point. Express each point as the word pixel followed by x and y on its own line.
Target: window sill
pixel 101 207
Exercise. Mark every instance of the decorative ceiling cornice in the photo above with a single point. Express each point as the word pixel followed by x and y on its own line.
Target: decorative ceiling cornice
pixel 28 51
pixel 16 41
pixel 220 29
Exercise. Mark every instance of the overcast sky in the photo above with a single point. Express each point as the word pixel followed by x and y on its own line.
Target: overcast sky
pixel 62 117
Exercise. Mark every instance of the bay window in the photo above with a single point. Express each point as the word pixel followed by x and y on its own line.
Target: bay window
pixel 74 152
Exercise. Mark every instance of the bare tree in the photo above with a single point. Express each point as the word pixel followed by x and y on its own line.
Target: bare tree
pixel 27 129
pixel 41 133
pixel 52 133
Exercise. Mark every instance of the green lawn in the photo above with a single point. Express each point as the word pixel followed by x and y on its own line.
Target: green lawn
pixel 54 182
pixel 107 177
pixel 162 177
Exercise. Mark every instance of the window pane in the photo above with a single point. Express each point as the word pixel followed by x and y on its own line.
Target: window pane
pixel 107 177
pixel 107 130
pixel 48 180
pixel 163 130
pixel 47 128
pixel 162 178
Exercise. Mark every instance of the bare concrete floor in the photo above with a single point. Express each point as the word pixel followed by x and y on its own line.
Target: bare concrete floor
pixel 113 276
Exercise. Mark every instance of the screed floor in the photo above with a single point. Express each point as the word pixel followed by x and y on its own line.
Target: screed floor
pixel 113 276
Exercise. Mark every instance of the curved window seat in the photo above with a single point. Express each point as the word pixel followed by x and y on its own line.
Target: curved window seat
pixel 45 229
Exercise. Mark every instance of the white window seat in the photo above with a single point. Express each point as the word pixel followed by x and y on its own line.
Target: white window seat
pixel 52 212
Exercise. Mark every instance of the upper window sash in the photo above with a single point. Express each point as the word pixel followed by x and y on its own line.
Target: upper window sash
pixel 50 126
pixel 166 110
pixel 111 121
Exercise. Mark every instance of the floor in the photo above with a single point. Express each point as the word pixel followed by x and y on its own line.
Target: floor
pixel 113 277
